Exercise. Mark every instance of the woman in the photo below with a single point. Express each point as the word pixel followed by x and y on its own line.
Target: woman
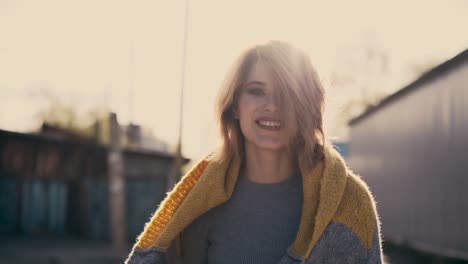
pixel 276 192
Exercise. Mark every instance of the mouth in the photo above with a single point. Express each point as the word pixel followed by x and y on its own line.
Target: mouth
pixel 272 125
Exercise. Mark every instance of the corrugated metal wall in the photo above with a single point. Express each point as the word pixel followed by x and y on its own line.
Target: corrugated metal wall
pixel 43 206
pixel 8 205
pixel 97 209
pixel 48 186
pixel 413 153
pixel 143 197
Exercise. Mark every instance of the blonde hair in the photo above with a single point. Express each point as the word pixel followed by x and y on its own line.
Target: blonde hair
pixel 300 92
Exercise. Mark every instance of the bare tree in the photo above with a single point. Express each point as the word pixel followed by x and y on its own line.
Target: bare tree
pixel 64 114
pixel 358 77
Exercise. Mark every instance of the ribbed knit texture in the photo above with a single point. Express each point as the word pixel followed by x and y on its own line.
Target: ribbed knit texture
pixel 256 225
pixel 344 200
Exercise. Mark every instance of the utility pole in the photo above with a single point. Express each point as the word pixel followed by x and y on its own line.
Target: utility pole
pixel 131 81
pixel 117 188
pixel 176 168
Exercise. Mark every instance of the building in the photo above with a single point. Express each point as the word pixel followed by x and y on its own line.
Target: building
pixel 412 149
pixel 57 182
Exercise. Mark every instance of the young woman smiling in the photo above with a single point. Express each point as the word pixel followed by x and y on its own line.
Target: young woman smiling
pixel 276 191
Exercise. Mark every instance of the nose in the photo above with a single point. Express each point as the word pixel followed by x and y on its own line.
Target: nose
pixel 271 104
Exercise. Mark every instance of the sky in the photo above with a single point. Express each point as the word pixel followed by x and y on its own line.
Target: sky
pixel 127 55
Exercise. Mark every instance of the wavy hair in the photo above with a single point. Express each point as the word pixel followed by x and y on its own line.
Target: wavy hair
pixel 300 94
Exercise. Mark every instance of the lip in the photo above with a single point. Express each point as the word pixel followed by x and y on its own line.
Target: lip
pixel 270 119
pixel 266 118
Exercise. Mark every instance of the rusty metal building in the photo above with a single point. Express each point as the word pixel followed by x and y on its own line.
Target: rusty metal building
pixel 412 150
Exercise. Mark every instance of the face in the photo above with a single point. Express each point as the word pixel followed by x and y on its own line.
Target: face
pixel 258 112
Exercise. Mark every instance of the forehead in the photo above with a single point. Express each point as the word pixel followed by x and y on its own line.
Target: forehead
pixel 261 72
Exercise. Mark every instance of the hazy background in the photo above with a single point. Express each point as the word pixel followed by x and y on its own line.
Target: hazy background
pixel 125 56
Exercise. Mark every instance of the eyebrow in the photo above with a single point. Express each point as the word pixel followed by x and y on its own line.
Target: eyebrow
pixel 254 82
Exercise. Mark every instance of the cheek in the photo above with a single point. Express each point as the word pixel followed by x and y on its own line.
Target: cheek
pixel 246 109
pixel 245 119
pixel 291 132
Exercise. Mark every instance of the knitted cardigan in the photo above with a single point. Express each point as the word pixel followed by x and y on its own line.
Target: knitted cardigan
pixel 346 227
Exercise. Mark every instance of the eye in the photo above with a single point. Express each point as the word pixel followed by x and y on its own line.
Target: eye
pixel 256 91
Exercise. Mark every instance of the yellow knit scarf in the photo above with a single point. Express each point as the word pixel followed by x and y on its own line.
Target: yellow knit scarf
pixel 342 197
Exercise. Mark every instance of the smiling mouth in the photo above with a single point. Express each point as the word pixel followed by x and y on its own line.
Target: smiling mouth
pixel 269 125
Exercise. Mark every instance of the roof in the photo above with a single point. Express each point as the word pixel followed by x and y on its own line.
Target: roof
pixel 55 140
pixel 428 76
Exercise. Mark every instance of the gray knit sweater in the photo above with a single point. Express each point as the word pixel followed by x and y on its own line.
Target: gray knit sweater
pixel 256 225
pixel 339 221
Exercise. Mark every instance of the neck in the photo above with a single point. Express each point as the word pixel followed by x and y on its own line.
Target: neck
pixel 267 166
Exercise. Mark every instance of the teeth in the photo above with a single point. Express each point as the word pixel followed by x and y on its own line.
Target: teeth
pixel 269 123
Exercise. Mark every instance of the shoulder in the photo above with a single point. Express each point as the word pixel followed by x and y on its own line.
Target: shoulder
pixel 357 209
pixel 358 194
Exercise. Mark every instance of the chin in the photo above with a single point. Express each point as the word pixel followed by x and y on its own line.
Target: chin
pixel 269 146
